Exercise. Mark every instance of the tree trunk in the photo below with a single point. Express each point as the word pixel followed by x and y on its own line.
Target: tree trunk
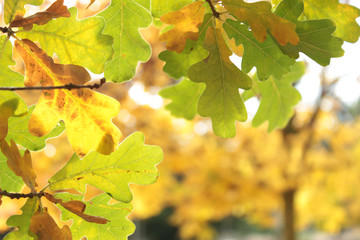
pixel 289 214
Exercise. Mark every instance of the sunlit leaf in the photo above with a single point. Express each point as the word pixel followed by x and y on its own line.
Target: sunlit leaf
pixel 178 64
pixel 22 221
pixel 19 131
pixel 160 7
pixel 44 227
pixel 221 99
pixel 7 76
pixel 261 19
pixel 119 227
pixel 86 113
pixel 278 98
pixel 133 162
pixel 11 105
pixel 123 19
pixel 186 22
pixel 13 8
pixel 74 42
pixel 20 165
pixel 266 56
pixel 344 16
pixel 185 96
pixel 9 181
pixel 316 38
pixel 56 10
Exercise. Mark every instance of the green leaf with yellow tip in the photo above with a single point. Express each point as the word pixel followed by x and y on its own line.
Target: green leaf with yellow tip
pixel 16 7
pixel 221 100
pixel 119 227
pixel 123 19
pixel 133 162
pixel 74 42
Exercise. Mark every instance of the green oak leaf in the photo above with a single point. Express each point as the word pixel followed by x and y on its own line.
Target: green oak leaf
pixel 7 76
pixel 185 96
pixel 344 16
pixel 74 42
pixel 278 98
pixel 118 228
pixel 9 181
pixel 133 162
pixel 267 57
pixel 11 105
pixel 123 19
pixel 19 132
pixel 16 7
pixel 221 99
pixel 22 221
pixel 160 7
pixel 178 64
pixel 316 38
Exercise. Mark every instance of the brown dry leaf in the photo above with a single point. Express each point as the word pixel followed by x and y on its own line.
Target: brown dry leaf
pixel 20 165
pixel 78 208
pixel 261 19
pixel 91 2
pixel 45 228
pixel 186 21
pixel 86 113
pixel 56 10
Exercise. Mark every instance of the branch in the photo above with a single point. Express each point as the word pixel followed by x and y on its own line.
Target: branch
pixel 215 13
pixel 67 86
pixel 21 195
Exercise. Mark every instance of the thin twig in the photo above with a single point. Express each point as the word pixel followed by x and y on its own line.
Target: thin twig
pixel 67 86
pixel 21 195
pixel 215 13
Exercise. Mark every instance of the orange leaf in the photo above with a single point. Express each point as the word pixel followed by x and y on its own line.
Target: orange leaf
pixel 78 208
pixel 45 228
pixel 20 165
pixel 56 10
pixel 86 113
pixel 261 19
pixel 186 21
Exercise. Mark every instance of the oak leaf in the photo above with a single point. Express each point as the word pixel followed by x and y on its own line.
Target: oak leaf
pixel 221 99
pixel 186 22
pixel 14 8
pixel 45 228
pixel 78 208
pixel 261 19
pixel 86 113
pixel 56 10
pixel 20 165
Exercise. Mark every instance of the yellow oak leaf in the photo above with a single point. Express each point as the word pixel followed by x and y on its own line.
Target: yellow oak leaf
pixel 45 228
pixel 87 114
pixel 56 10
pixel 20 165
pixel 186 22
pixel 261 19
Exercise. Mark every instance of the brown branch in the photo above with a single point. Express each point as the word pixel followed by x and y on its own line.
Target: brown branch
pixel 21 195
pixel 215 13
pixel 67 86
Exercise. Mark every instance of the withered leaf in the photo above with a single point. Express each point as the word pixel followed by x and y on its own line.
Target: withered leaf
pixel 78 208
pixel 45 228
pixel 56 10
pixel 186 21
pixel 20 165
pixel 86 113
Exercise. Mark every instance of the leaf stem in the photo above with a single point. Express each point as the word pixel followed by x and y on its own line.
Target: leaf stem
pixel 21 195
pixel 67 86
pixel 215 13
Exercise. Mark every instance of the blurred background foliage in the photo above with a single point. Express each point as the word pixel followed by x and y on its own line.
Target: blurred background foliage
pixel 239 188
